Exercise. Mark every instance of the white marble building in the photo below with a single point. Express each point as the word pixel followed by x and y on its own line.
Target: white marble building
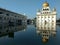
pixel 46 15
pixel 46 22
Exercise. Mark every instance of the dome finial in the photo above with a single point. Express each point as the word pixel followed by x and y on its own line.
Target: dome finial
pixel 54 9
pixel 45 4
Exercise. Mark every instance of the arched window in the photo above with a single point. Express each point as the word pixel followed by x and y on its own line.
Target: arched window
pixel 41 17
pixel 1 12
pixel 7 14
pixel 48 17
pixel 52 21
pixel 45 9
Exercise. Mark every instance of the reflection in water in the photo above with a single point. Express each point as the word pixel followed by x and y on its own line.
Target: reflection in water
pixel 46 30
pixel 9 30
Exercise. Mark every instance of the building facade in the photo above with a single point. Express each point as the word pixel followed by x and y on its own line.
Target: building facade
pixel 8 17
pixel 46 22
pixel 46 15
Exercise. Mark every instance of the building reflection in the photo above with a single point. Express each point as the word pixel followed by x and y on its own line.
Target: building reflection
pixel 9 30
pixel 46 30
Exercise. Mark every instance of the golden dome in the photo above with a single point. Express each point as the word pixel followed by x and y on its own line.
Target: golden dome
pixel 45 4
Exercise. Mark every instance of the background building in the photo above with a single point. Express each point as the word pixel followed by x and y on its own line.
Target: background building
pixel 11 18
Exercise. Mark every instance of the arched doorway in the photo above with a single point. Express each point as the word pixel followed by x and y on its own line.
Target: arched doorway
pixel 45 21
